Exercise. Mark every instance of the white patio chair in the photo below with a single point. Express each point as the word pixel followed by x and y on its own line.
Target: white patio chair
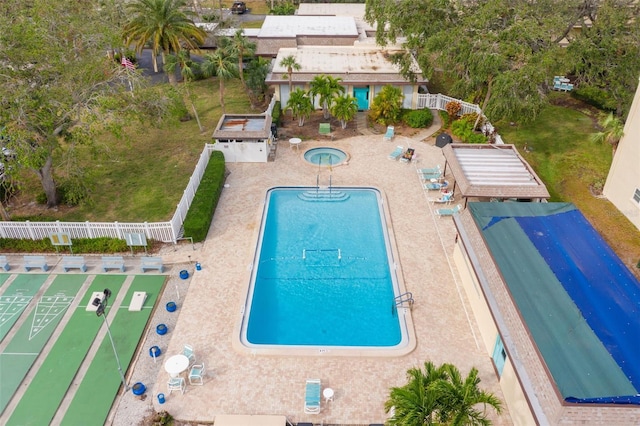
pixel 176 383
pixel 196 374
pixel 188 351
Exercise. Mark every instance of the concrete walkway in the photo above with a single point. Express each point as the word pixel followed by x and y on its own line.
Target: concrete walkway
pixel 238 382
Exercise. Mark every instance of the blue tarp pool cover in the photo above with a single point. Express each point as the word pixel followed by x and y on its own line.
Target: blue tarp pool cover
pixel 599 285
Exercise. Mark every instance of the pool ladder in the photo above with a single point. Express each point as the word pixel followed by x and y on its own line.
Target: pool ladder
pixel 401 300
pixel 318 184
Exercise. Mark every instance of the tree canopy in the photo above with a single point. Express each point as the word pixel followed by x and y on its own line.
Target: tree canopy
pixel 59 89
pixel 503 53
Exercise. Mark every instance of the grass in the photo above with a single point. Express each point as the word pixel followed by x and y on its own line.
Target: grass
pixel 142 177
pixel 570 165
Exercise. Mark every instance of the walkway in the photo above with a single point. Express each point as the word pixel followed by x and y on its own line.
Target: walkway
pixel 239 383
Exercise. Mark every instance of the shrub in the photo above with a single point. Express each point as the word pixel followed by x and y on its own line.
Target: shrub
pixel 444 117
pixel 200 214
pixel 276 114
pixel 80 245
pixel 387 106
pixel 418 118
pixel 463 129
pixel 596 97
pixel 453 108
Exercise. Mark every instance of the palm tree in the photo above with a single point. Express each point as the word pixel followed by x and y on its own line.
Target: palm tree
pixel 326 88
pixel 344 108
pixel 612 131
pixel 461 399
pixel 300 105
pixel 221 63
pixel 188 69
pixel 164 24
pixel 416 403
pixel 242 47
pixel 440 396
pixel 291 64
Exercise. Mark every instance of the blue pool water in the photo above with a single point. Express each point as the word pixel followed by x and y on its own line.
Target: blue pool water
pixel 323 272
pixel 324 156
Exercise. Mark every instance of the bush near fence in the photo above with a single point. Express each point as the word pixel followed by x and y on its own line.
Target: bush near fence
pixel 102 245
pixel 198 219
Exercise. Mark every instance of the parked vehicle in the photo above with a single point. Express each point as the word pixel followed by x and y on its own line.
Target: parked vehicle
pixel 239 7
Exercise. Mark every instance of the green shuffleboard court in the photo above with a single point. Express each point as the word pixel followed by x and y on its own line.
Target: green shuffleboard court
pixel 30 338
pixel 99 387
pixel 46 391
pixel 16 298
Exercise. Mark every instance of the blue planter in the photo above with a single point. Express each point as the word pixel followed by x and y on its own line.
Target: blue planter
pixel 161 329
pixel 171 306
pixel 184 274
pixel 154 351
pixel 139 388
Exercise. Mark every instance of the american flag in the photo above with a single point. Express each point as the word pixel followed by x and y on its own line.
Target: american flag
pixel 127 63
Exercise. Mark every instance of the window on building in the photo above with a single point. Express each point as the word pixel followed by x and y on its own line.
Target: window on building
pixel 499 355
pixel 636 196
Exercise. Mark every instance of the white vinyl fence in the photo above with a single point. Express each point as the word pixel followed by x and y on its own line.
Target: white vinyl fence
pixel 160 231
pixel 440 102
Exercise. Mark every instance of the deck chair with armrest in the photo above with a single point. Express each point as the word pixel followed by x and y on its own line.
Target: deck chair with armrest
pixel 444 198
pixel 449 211
pixel 312 396
pixel 389 134
pixel 408 155
pixel 429 170
pixel 435 186
pixel 397 153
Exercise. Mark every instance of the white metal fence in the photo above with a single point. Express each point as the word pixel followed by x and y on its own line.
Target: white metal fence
pixel 160 231
pixel 440 102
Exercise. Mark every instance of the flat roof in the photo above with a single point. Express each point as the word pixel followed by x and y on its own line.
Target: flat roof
pixel 493 171
pixel 351 63
pixel 294 26
pixel 243 126
pixel 575 296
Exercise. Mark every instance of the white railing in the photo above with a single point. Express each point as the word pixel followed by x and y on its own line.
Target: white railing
pixel 167 232
pixel 440 102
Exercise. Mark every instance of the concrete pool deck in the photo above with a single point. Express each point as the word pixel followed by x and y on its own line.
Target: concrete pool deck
pixel 245 383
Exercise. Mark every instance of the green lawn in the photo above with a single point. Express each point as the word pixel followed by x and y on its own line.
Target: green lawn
pixel 142 176
pixel 570 165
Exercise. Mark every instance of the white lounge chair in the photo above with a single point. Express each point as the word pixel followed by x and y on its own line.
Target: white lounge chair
pixel 397 153
pixel 312 397
pixel 448 211
pixel 389 134
pixel 429 170
pixel 445 198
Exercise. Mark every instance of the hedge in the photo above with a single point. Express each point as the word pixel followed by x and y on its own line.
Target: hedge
pixel 200 214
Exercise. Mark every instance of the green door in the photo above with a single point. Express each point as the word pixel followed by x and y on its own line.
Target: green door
pixel 362 95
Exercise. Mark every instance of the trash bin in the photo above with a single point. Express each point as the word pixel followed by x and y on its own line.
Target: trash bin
pixel 198 266
pixel 161 398
pixel 274 130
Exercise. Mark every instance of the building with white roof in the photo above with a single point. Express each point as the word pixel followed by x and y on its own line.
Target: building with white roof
pixel 363 68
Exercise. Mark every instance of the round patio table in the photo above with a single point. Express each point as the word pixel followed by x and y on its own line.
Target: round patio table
pixel 295 142
pixel 176 364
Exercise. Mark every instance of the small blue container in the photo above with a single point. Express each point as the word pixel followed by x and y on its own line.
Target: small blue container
pixel 161 329
pixel 184 274
pixel 171 306
pixel 198 266
pixel 139 388
pixel 161 399
pixel 154 351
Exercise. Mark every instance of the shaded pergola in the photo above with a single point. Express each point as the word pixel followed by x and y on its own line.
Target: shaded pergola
pixel 492 171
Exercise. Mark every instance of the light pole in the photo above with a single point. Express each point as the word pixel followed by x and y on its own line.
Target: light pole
pixel 101 312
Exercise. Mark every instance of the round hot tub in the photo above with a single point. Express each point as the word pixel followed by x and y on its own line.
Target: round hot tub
pixel 325 156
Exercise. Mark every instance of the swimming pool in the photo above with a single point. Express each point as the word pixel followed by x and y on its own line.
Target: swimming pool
pixel 324 277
